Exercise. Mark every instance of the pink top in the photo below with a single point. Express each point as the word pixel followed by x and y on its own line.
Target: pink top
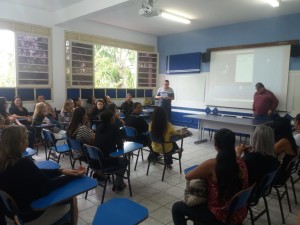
pixel 219 209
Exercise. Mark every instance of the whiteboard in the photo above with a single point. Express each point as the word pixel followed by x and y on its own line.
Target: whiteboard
pixel 188 87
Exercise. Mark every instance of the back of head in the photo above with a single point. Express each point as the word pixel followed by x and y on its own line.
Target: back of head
pixel 76 120
pixel 112 107
pixel 228 185
pixel 2 103
pixel 38 108
pixel 106 116
pixel 263 140
pixel 159 122
pixel 10 149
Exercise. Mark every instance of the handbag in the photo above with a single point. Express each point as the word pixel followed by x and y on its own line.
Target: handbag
pixel 195 192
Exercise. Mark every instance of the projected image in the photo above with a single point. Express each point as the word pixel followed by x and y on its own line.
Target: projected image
pixel 244 68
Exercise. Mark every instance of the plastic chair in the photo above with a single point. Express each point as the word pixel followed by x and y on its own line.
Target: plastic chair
pixel 9 207
pixel 295 175
pixel 261 190
pixel 77 153
pixel 94 157
pixel 281 187
pixel 131 135
pixel 238 201
pixel 50 143
pixel 164 154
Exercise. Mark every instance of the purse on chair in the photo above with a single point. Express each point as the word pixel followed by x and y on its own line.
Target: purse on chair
pixel 195 192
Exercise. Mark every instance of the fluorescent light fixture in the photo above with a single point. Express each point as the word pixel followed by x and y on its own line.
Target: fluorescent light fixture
pixel 175 18
pixel 274 3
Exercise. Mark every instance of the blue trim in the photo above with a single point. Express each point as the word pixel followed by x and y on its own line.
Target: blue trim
pixel 86 93
pixel 8 93
pixel 26 94
pixel 111 92
pixel 121 93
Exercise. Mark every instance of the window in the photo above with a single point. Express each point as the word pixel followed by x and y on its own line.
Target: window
pixel 98 62
pixel 24 55
pixel 7 59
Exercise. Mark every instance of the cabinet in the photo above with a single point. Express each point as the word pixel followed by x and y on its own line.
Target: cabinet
pixel 33 61
pixel 147 69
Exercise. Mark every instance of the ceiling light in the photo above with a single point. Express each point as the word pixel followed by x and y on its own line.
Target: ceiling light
pixel 175 18
pixel 274 3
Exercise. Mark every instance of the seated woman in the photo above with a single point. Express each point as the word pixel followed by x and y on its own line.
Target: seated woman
pixel 25 182
pixel 163 130
pixel 94 114
pixel 18 111
pixel 119 121
pixel 107 101
pixel 296 133
pixel 108 140
pixel 67 111
pixel 285 145
pixel 90 104
pixel 78 129
pixel 39 118
pixel 77 102
pixel 7 120
pixel 260 158
pixel 221 187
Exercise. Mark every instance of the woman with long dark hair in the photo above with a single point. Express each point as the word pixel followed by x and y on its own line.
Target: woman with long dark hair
pixel 161 129
pixel 78 129
pixel 285 145
pixel 19 111
pixel 225 175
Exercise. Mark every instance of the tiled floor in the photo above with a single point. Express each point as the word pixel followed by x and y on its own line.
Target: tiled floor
pixel 158 197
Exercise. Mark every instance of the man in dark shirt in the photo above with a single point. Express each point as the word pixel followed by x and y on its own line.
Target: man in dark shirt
pixel 264 103
pixel 127 106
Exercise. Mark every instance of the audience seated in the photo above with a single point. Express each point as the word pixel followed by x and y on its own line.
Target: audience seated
pixel 18 111
pixel 90 104
pixel 108 140
pixel 77 102
pixel 297 130
pixel 107 101
pixel 127 106
pixel 221 186
pixel 260 158
pixel 162 129
pixel 78 129
pixel 94 115
pixel 7 120
pixel 285 145
pixel 25 182
pixel 67 111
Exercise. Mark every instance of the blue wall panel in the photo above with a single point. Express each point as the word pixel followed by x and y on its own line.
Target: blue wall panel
pixel 111 93
pixel 26 94
pixel 148 93
pixel 121 93
pixel 46 92
pixel 99 93
pixel 8 93
pixel 132 92
pixel 140 93
pixel 73 93
pixel 86 93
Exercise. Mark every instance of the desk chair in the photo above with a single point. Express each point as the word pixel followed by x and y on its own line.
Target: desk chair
pixel 281 186
pixel 261 190
pixel 164 154
pixel 120 211
pixel 94 157
pixel 77 153
pixel 238 201
pixel 295 175
pixel 50 143
pixel 131 135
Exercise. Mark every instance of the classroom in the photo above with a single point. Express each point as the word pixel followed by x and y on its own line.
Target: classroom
pixel 212 65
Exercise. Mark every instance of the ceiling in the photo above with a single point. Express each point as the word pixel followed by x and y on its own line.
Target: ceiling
pixel 202 13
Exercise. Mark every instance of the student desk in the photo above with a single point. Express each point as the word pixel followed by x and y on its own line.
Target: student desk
pixel 28 152
pixel 121 211
pixel 128 147
pixel 237 125
pixel 64 193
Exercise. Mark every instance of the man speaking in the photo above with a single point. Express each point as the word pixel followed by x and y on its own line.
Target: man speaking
pixel 264 103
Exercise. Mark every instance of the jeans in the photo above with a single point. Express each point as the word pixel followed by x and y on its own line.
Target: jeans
pixel 199 213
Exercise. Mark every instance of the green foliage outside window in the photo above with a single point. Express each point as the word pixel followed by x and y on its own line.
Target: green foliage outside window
pixel 114 67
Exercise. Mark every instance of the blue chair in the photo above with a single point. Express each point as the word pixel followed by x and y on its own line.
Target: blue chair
pixel 261 190
pixel 131 135
pixel 164 154
pixel 47 165
pixel 120 211
pixel 51 144
pixel 94 157
pixel 77 153
pixel 10 209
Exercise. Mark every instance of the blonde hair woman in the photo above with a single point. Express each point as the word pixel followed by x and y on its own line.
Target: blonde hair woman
pixel 16 171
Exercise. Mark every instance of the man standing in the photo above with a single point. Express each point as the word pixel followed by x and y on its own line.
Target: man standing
pixel 127 106
pixel 165 95
pixel 264 103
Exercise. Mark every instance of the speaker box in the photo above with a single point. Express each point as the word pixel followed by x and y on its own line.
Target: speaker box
pixel 295 50
pixel 205 57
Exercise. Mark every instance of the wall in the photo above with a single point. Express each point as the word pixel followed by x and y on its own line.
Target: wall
pixel 269 30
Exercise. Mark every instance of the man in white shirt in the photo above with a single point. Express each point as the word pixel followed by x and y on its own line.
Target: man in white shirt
pixel 165 95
